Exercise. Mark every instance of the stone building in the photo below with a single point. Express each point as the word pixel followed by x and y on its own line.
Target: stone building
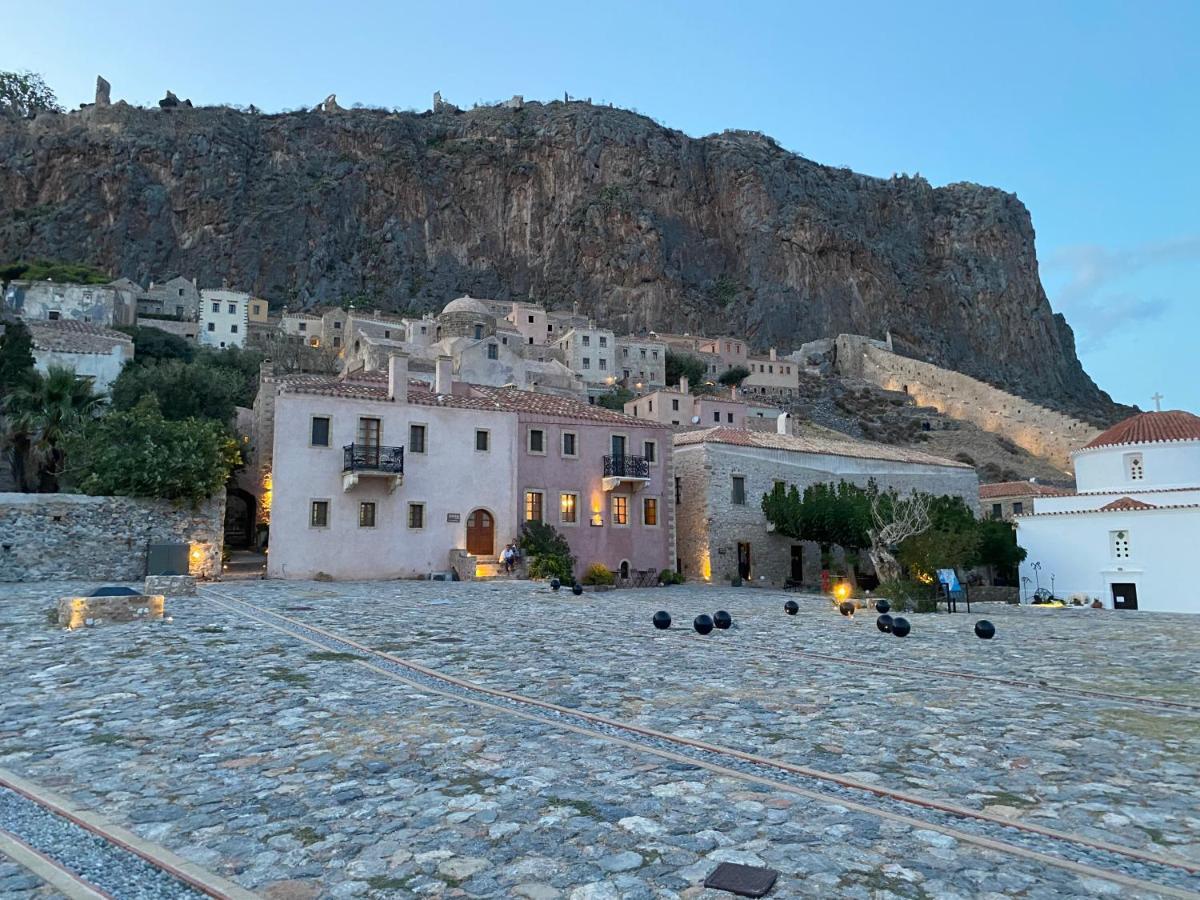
pixel 1004 499
pixel 592 353
pixel 224 318
pixel 641 363
pixel 177 297
pixel 722 474
pixel 772 376
pixel 90 351
pixel 679 409
pixel 97 304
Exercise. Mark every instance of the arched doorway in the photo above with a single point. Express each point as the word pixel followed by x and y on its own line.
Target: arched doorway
pixel 481 533
pixel 624 570
pixel 239 518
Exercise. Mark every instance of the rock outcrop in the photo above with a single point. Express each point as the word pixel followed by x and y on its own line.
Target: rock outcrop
pixel 641 225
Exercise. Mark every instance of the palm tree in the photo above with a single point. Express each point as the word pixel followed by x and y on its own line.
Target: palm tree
pixel 38 418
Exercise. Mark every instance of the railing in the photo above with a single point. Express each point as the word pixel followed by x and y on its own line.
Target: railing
pixel 372 458
pixel 626 467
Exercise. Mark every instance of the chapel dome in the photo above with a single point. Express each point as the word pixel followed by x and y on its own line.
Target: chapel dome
pixel 467 304
pixel 1150 428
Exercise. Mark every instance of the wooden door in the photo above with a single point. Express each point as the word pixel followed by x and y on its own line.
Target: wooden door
pixel 744 561
pixel 481 533
pixel 1124 596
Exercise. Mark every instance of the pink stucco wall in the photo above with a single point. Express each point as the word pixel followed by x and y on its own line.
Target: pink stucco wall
pixel 644 547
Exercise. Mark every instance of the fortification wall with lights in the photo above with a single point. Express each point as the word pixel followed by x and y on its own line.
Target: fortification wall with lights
pixel 1043 432
pixel 66 536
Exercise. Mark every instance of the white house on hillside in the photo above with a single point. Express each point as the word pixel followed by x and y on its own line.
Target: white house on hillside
pixel 91 351
pixel 224 317
pixel 1128 535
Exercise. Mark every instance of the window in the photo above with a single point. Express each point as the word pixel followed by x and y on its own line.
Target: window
pixel 1018 508
pixel 603 364
pixel 216 307
pixel 729 418
pixel 625 352
pixel 650 511
pixel 717 416
pixel 212 326
pixel 337 340
pixel 531 320
pixel 233 329
pixel 1120 544
pixel 493 351
pixel 643 353
pixel 318 516
pixel 997 510
pixel 318 435
pixel 587 363
pixel 739 490
pixel 603 341
pixel 678 490
pixel 482 438
pixel 650 451
pixel 675 404
pixel 416 515
pixel 569 443
pixel 779 487
pixel 366 515
pixel 232 309
pixel 537 440
pixel 478 332
pixel 568 509
pixel 530 341
pixel 258 309
pixel 587 341
pixel 303 326
pixel 533 506
pixel 337 324
pixel 620 510
pixel 1134 466
pixel 370 432
pixel 416 438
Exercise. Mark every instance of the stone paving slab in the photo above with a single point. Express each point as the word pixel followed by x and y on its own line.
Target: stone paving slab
pixel 1113 771
pixel 17 883
pixel 300 773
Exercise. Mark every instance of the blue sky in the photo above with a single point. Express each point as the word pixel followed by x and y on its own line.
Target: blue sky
pixel 1088 111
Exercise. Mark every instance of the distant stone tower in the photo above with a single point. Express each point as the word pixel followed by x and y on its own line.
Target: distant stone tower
pixel 103 91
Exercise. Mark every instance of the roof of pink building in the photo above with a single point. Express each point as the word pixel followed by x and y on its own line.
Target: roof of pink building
pixel 1020 489
pixel 741 437
pixel 1150 428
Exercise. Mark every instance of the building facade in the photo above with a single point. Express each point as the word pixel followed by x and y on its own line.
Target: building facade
pixel 90 351
pixel 722 474
pixel 1003 500
pixel 1126 536
pixel 95 304
pixel 223 318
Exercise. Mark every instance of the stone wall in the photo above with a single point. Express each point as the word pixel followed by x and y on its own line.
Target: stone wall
pixel 1043 432
pixel 73 536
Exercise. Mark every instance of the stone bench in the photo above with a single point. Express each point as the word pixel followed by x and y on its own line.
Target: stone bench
pixel 171 585
pixel 77 612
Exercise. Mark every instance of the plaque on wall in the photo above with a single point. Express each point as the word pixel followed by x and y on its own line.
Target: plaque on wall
pixel 453 517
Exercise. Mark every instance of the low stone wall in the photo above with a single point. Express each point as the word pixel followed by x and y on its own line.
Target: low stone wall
pixel 72 536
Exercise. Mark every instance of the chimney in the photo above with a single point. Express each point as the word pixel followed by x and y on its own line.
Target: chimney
pixel 772 354
pixel 398 377
pixel 683 384
pixel 782 423
pixel 443 375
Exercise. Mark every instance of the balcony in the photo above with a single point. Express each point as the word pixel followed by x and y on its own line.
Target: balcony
pixel 372 461
pixel 631 470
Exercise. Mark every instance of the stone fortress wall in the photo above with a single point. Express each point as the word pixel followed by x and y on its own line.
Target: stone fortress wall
pixel 74 536
pixel 1043 432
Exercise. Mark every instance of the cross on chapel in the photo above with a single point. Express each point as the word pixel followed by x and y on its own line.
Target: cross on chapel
pixel 1157 398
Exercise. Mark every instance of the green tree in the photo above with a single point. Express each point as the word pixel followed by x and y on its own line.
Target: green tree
pixel 998 548
pixel 951 542
pixel 16 357
pixel 26 94
pixel 616 399
pixel 183 390
pixel 153 344
pixel 684 364
pixel 243 363
pixel 826 513
pixel 734 377
pixel 40 416
pixel 139 453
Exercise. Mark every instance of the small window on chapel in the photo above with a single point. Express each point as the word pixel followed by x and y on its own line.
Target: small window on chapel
pixel 1134 466
pixel 1119 541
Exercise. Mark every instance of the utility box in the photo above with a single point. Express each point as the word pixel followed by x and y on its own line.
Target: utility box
pixel 167 559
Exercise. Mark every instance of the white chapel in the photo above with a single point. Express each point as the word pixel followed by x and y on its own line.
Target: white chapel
pixel 1130 534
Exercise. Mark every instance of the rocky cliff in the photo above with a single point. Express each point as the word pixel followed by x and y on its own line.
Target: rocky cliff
pixel 563 203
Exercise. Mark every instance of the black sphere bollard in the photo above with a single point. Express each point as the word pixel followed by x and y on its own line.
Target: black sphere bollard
pixel 884 623
pixel 882 606
pixel 555 584
pixel 985 630
pixel 791 607
pixel 703 623
pixel 900 627
pixel 846 607
pixel 722 619
pixel 577 589
pixel 662 620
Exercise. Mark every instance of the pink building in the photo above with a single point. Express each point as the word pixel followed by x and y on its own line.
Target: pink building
pixel 602 479
pixel 677 408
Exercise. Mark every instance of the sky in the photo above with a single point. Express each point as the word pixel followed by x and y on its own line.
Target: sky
pixel 1089 111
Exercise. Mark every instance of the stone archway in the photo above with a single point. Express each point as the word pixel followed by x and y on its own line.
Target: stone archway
pixel 239 519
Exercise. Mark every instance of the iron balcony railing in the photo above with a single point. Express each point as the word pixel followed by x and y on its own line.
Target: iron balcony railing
pixel 373 458
pixel 626 467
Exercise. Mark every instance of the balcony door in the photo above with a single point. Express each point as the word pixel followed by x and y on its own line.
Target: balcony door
pixel 618 446
pixel 368 440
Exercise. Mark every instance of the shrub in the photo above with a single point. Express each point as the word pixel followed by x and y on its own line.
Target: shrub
pixel 549 553
pixel 597 573
pixel 670 576
pixel 547 567
pixel 908 596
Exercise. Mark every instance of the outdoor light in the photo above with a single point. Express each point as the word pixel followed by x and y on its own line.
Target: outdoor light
pixel 597 520
pixel 841 591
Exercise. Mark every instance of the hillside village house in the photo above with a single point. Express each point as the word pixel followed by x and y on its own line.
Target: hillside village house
pixel 722 473
pixel 1127 536
pixel 223 318
pixel 370 479
pixel 90 351
pixel 1004 499
pixel 176 297
pixel 680 409
pixel 96 304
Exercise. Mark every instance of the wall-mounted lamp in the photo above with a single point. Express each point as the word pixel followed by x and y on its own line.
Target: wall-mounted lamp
pixel 597 520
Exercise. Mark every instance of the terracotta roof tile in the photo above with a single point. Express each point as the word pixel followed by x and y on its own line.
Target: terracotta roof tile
pixel 1021 489
pixel 741 437
pixel 71 336
pixel 1110 508
pixel 1150 428
pixel 1127 503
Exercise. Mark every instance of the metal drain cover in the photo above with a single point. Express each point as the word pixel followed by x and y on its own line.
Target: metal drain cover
pixel 745 881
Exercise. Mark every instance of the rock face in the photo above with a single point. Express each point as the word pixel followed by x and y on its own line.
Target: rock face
pixel 563 203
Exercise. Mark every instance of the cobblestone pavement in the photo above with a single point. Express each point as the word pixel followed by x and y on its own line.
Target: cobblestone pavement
pixel 300 773
pixel 17 883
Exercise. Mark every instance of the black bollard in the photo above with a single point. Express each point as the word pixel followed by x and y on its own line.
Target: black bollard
pixel 985 630
pixel 884 623
pixel 577 589
pixel 791 607
pixel 846 607
pixel 900 627
pixel 722 619
pixel 662 620
pixel 882 606
pixel 703 623
pixel 555 584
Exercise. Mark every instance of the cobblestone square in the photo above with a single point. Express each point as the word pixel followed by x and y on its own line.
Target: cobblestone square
pixel 497 739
